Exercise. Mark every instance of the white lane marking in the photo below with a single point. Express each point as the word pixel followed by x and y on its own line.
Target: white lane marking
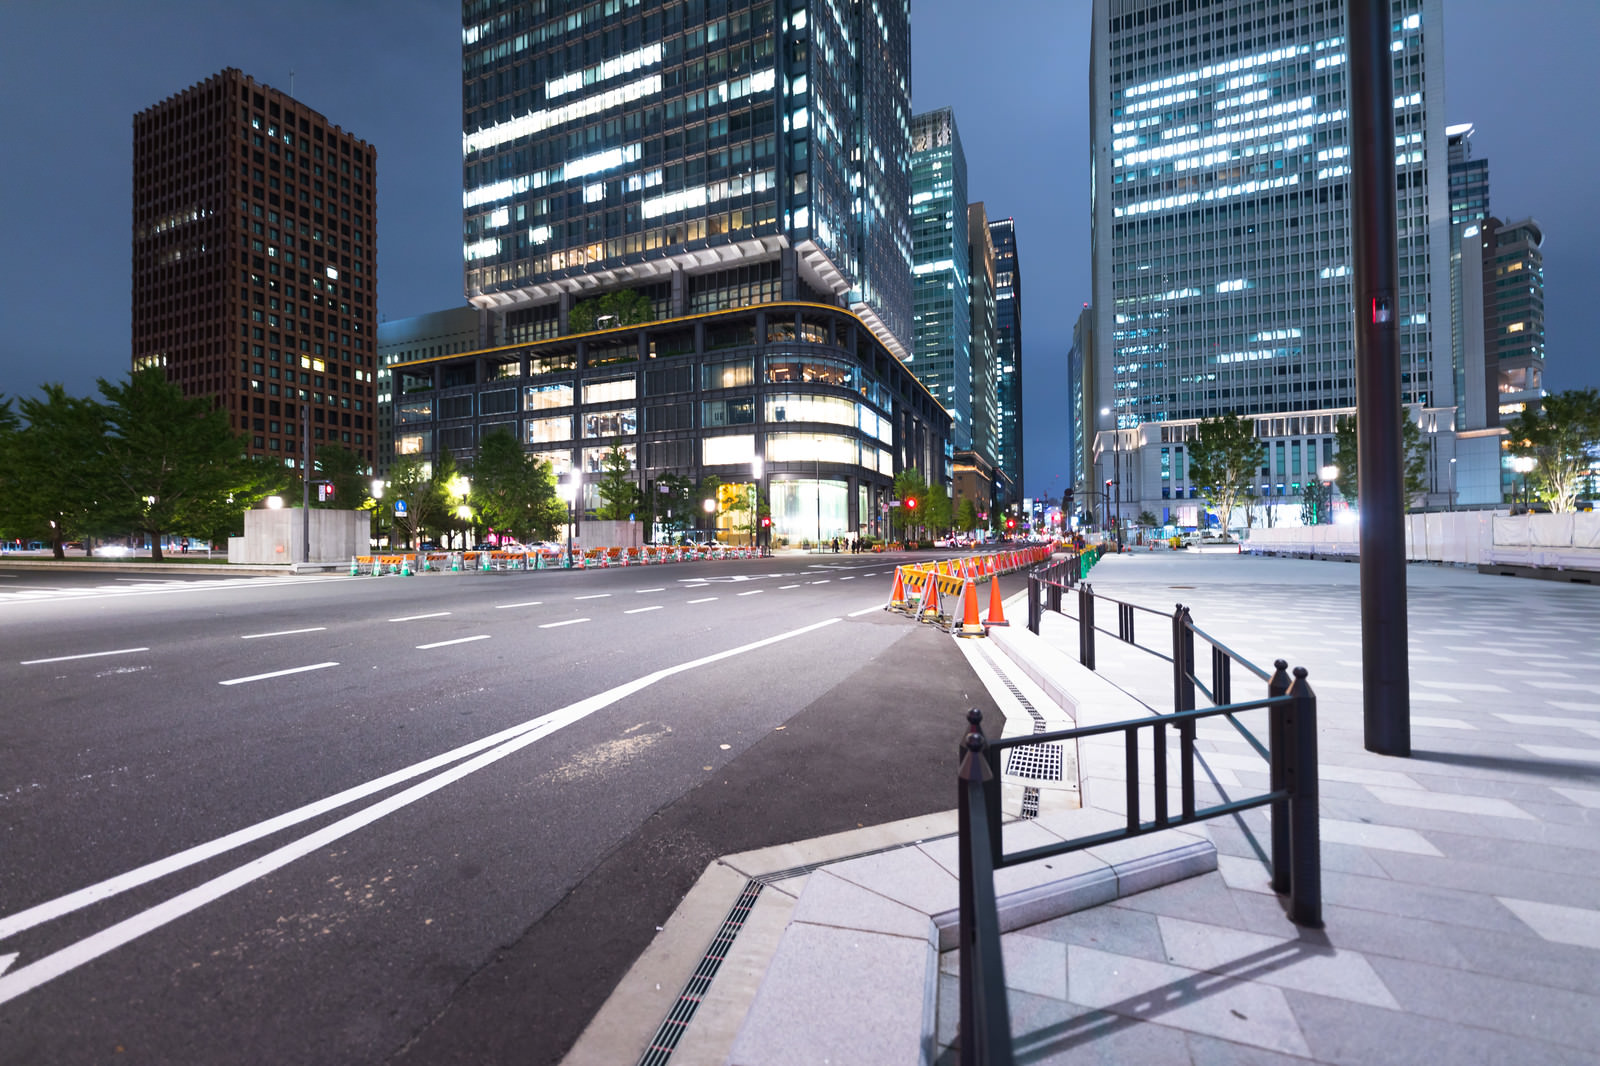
pixel 277 673
pixel 782 587
pixel 848 577
pixel 447 643
pixel 824 581
pixel 500 745
pixel 568 622
pixel 530 603
pixel 415 617
pixel 864 610
pixel 753 592
pixel 86 655
pixel 6 961
pixel 595 596
pixel 206 585
pixel 641 610
pixel 649 590
pixel 282 633
pixel 707 599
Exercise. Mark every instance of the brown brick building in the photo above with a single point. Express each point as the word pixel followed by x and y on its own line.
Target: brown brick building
pixel 255 263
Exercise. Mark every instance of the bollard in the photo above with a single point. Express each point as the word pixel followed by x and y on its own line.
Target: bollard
pixel 1305 835
pixel 1278 777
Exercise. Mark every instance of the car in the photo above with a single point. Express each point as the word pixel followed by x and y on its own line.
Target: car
pixel 114 551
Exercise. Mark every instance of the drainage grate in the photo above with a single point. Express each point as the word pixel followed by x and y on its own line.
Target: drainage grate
pixel 1038 762
pixel 677 1020
pixel 1030 793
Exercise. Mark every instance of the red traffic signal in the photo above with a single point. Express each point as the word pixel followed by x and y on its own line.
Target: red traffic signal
pixel 1011 523
pixel 1108 483
pixel 911 504
pixel 766 520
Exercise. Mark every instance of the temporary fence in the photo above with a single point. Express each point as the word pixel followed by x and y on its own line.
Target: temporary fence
pixel 920 588
pixel 541 559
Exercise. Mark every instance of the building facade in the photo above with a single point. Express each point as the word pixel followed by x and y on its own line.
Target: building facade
pixel 406 340
pixel 1221 241
pixel 807 388
pixel 1008 355
pixel 255 264
pixel 1469 206
pixel 704 155
pixel 983 366
pixel 941 345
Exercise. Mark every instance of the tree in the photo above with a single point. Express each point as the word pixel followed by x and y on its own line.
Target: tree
pixel 710 488
pixel 619 496
pixel 1223 460
pixel 223 517
pixel 1148 519
pixel 967 516
pixel 173 460
pixel 1559 436
pixel 424 503
pixel 515 492
pixel 348 477
pixel 675 503
pixel 912 491
pixel 57 479
pixel 629 307
pixel 1346 442
pixel 938 513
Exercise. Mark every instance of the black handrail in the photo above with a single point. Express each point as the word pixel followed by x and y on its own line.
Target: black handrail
pixel 1292 796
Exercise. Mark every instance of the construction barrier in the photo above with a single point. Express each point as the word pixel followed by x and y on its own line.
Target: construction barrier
pixel 919 588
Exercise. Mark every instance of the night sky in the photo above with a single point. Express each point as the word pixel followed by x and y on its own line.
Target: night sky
pixel 74 72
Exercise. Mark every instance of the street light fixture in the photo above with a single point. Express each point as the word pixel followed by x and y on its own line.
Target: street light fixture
pixel 1452 483
pixel 1330 474
pixel 756 468
pixel 1524 464
pixel 710 506
pixel 569 492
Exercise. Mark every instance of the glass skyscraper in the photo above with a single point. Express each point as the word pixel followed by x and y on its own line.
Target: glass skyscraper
pixel 706 154
pixel 1221 238
pixel 1008 353
pixel 941 348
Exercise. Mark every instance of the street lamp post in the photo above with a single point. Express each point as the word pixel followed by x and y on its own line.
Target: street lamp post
pixel 569 492
pixel 1329 473
pixel 1452 483
pixel 1524 464
pixel 1116 477
pixel 818 455
pixel 710 506
pixel 756 467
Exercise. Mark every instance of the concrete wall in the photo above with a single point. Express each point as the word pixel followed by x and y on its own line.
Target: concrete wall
pixel 276 536
pixel 593 533
pixel 1568 541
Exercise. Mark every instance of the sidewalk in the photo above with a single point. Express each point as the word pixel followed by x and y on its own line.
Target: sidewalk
pixel 1461 886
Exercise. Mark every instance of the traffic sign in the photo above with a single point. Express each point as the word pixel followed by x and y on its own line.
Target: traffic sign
pixel 399 507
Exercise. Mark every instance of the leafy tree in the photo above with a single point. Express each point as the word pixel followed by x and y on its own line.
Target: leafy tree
pixel 967 516
pixel 910 487
pixel 409 480
pixel 1346 442
pixel 57 484
pixel 674 503
pixel 628 305
pixel 223 517
pixel 1148 519
pixel 349 477
pixel 173 459
pixel 515 492
pixel 938 514
pixel 10 424
pixel 1559 436
pixel 710 488
pixel 619 495
pixel 1223 460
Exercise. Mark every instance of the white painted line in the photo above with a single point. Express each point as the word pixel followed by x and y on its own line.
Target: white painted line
pixel 500 745
pixel 865 610
pixel 782 587
pixel 282 633
pixel 87 655
pixel 642 610
pixel 649 590
pixel 848 577
pixel 568 622
pixel 277 673
pixel 707 599
pixel 595 596
pixel 415 617
pixel 447 643
pixel 504 606
pixel 753 592
pixel 824 581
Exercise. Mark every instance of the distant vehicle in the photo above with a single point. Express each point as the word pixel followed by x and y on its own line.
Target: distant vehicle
pixel 428 546
pixel 114 551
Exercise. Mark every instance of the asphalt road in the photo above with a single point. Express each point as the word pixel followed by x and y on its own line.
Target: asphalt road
pixel 428 819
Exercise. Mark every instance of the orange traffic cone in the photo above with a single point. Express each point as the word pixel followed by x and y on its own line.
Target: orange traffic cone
pixel 970 626
pixel 997 617
pixel 897 595
pixel 932 602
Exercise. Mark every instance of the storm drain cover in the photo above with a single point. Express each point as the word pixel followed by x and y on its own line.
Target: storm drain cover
pixel 1037 762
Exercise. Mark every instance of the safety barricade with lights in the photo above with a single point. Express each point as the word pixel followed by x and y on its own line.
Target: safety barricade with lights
pixel 920 589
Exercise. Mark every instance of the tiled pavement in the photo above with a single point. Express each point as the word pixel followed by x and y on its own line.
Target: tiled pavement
pixel 1461 886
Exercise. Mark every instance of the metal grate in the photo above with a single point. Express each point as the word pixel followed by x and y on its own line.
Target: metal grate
pixel 677 1020
pixel 1037 762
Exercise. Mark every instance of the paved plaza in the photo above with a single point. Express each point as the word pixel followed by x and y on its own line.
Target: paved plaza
pixel 1461 886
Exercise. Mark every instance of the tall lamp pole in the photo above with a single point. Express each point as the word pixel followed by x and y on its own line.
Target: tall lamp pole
pixel 1329 474
pixel 1524 464
pixel 756 467
pixel 569 492
pixel 1116 477
pixel 819 494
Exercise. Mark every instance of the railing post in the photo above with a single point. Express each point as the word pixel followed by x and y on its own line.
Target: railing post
pixel 1086 625
pixel 985 1032
pixel 1053 595
pixel 1278 779
pixel 1221 677
pixel 1305 835
pixel 1182 660
pixel 1033 604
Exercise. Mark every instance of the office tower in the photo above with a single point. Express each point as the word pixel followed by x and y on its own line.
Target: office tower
pixel 255 263
pixel 1008 354
pixel 1080 394
pixel 703 156
pixel 941 347
pixel 1513 315
pixel 1221 242
pixel 404 340
pixel 1469 206
pixel 985 337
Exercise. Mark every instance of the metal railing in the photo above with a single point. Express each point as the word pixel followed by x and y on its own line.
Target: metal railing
pixel 1290 754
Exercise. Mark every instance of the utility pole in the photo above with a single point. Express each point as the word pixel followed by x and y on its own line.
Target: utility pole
pixel 305 482
pixel 1385 669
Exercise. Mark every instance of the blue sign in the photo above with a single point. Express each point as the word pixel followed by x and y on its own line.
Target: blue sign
pixel 399 507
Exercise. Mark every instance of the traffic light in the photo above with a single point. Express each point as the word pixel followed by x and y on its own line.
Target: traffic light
pixel 911 504
pixel 1108 483
pixel 1011 523
pixel 766 520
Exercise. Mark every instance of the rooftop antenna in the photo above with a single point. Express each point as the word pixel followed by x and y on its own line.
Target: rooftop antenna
pixel 291 81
